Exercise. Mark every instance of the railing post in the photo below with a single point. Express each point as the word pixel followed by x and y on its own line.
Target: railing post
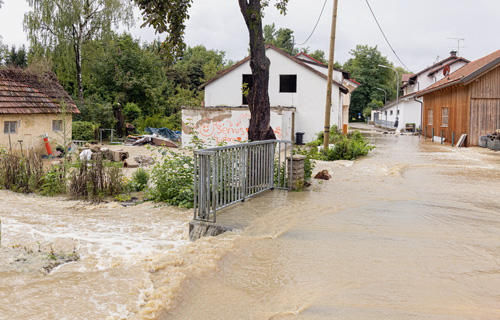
pixel 441 136
pixel 432 134
pixel 452 138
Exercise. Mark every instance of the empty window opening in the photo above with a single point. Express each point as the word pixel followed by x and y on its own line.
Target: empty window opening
pixel 288 83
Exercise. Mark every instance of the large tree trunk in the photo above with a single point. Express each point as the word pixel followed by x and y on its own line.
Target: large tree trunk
pixel 258 96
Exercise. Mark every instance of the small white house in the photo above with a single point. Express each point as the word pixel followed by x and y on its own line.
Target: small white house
pixel 408 109
pixel 295 83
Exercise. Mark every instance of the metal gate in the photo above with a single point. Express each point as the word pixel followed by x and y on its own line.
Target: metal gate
pixel 230 174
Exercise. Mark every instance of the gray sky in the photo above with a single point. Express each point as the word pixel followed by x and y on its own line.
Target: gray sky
pixel 417 30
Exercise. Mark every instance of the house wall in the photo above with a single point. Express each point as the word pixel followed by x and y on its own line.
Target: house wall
pixel 229 124
pixel 309 100
pixel 30 129
pixel 485 105
pixel 424 80
pixel 456 99
pixel 474 109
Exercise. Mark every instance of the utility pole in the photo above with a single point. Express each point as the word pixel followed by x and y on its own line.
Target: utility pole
pixel 328 107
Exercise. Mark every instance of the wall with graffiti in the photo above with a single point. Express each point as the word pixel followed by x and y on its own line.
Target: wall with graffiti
pixel 225 125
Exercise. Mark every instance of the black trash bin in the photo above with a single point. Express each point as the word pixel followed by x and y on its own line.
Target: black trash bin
pixel 298 138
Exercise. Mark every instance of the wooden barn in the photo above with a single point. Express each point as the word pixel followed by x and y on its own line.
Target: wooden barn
pixel 466 101
pixel 33 105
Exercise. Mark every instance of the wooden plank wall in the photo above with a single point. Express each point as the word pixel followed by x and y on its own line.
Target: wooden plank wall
pixel 485 104
pixel 456 99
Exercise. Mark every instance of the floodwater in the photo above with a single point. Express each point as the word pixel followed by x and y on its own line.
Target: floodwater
pixel 410 232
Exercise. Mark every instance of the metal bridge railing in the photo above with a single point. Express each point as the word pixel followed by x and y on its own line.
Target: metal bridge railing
pixel 230 174
pixel 385 123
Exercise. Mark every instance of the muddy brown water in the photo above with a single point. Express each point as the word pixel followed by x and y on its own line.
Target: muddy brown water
pixel 410 232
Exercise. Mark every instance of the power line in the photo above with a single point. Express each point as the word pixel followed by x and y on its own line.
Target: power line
pixel 324 4
pixel 373 14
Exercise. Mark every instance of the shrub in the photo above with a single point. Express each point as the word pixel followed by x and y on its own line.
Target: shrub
pixel 93 180
pixel 83 130
pixel 53 182
pixel 21 173
pixel 172 179
pixel 346 147
pixel 140 179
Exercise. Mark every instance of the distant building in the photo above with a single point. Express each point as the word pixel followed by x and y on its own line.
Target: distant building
pixel 297 94
pixel 31 106
pixel 408 110
pixel 465 102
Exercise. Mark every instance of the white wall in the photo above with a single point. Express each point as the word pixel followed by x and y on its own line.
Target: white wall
pixel 230 125
pixel 309 100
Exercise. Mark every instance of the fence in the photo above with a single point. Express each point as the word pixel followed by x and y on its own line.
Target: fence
pixel 385 123
pixel 230 174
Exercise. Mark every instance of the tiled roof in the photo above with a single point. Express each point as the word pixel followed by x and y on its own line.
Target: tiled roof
pixel 299 61
pixel 26 93
pixel 308 56
pixel 467 73
pixel 433 69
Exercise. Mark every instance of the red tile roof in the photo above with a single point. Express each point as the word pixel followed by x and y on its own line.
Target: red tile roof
pixel 22 92
pixel 308 56
pixel 467 73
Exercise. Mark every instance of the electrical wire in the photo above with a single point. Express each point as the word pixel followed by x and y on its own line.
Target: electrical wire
pixel 394 51
pixel 324 4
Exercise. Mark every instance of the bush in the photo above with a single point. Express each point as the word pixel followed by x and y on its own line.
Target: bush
pixel 53 182
pixel 346 147
pixel 83 130
pixel 172 179
pixel 93 180
pixel 140 180
pixel 173 122
pixel 21 173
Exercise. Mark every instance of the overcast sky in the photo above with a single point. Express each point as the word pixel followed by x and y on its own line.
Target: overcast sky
pixel 417 30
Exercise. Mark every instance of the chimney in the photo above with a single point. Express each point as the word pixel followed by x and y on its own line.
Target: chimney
pixel 453 53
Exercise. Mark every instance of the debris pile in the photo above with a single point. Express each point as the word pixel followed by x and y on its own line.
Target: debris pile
pixel 157 137
pixel 490 141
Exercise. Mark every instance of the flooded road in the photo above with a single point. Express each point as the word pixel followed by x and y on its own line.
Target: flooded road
pixel 410 232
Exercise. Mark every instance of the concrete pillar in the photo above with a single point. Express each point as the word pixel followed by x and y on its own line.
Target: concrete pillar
pixel 297 162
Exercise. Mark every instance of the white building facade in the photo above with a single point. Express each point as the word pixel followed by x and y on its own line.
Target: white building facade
pixel 295 84
pixel 409 109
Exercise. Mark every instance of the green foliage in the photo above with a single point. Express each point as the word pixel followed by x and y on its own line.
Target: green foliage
pixel 132 112
pixel 140 179
pixel 93 180
pixel 83 130
pixel 53 182
pixel 17 58
pixel 173 122
pixel 20 173
pixel 375 104
pixel 364 67
pixel 172 178
pixel 282 38
pixel 346 147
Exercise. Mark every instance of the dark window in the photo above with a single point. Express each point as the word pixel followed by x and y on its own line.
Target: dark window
pixel 288 83
pixel 56 125
pixel 10 127
pixel 247 83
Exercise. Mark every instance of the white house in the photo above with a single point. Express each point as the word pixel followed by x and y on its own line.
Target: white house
pixel 409 109
pixel 296 84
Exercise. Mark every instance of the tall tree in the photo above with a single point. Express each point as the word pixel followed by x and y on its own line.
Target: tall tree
pixel 282 38
pixel 364 67
pixel 170 16
pixel 17 58
pixel 75 22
